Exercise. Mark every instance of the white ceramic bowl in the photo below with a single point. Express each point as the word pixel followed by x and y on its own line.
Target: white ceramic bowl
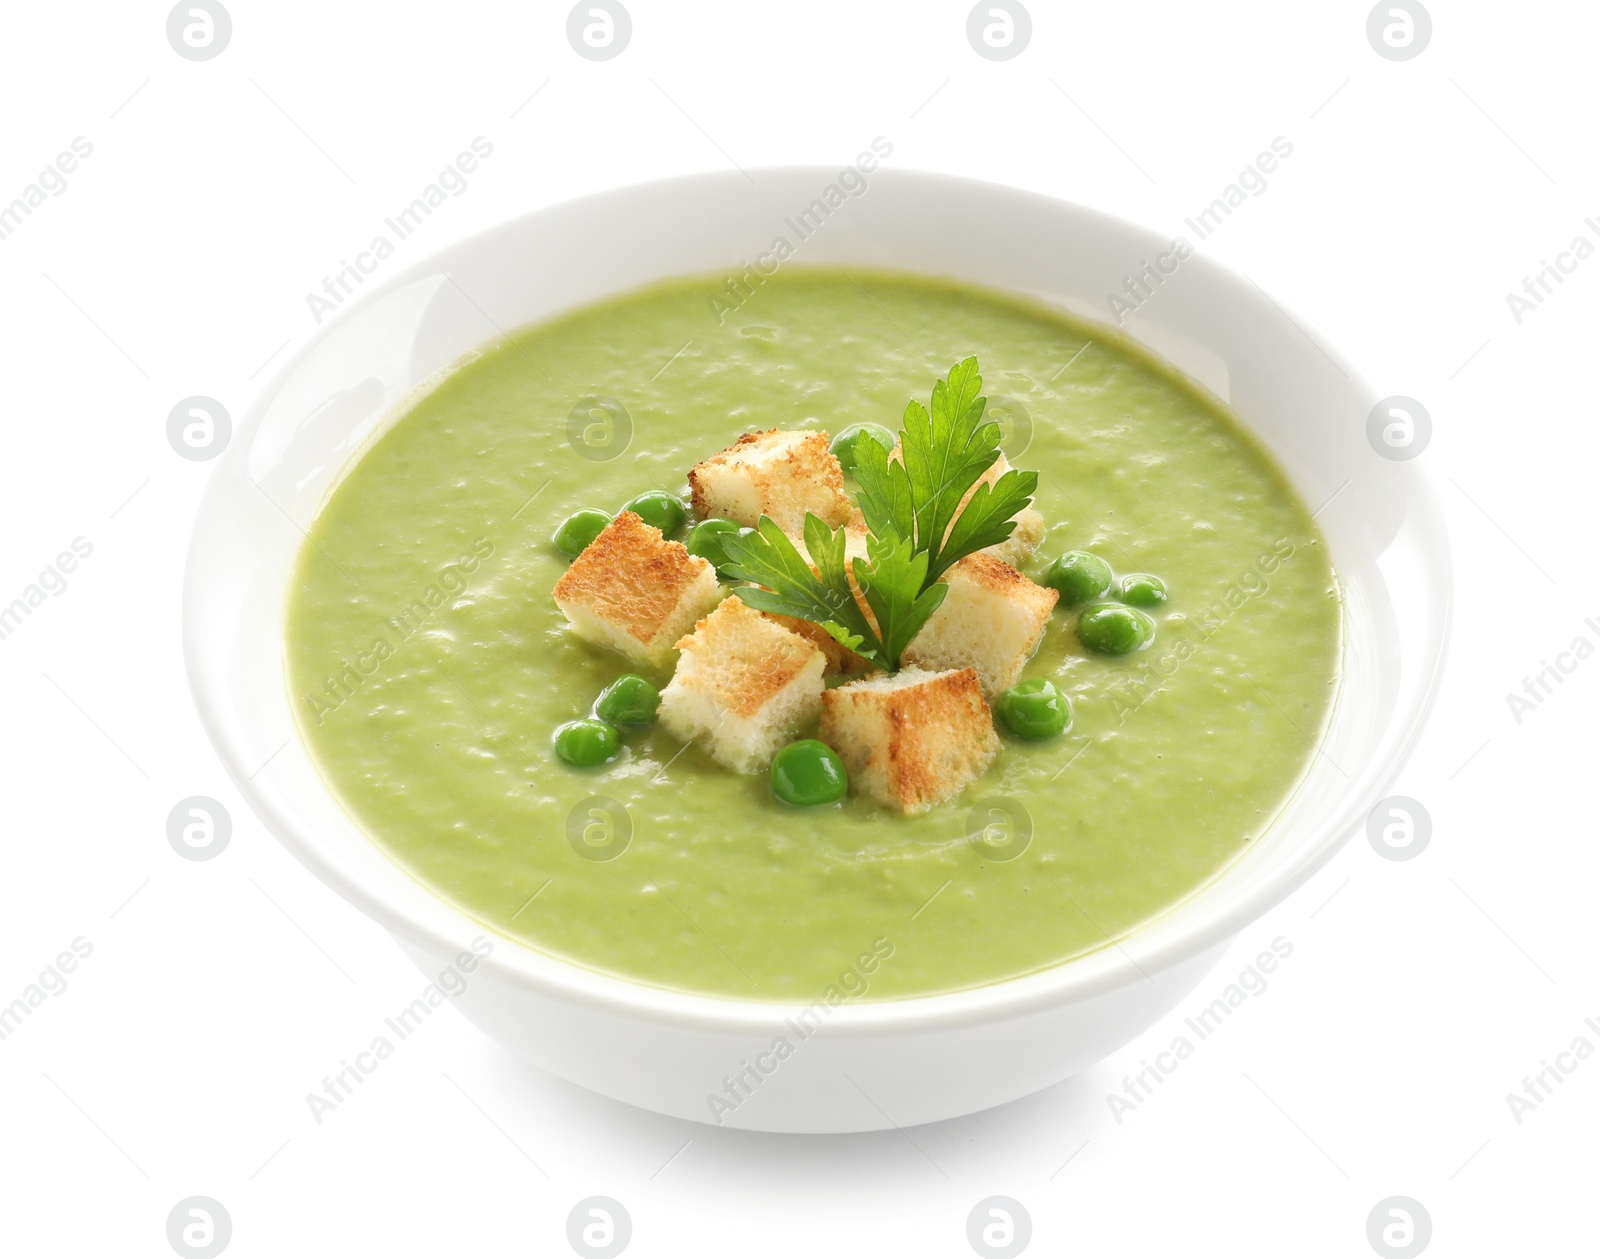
pixel 875 1064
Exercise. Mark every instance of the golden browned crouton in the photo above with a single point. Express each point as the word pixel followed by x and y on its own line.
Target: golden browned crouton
pixel 911 739
pixel 744 685
pixel 840 659
pixel 991 620
pixel 634 591
pixel 779 474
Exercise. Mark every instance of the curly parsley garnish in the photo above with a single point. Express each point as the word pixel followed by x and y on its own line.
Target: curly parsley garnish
pixel 917 527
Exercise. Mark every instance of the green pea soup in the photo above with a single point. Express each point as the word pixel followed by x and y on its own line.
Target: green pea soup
pixel 430 667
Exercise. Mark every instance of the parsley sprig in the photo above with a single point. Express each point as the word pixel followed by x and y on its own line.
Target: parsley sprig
pixel 917 527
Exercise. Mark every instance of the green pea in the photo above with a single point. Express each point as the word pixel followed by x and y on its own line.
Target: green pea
pixel 809 772
pixel 1115 630
pixel 1080 577
pixel 629 701
pixel 1035 709
pixel 705 540
pixel 844 445
pixel 580 529
pixel 1143 590
pixel 657 507
pixel 587 741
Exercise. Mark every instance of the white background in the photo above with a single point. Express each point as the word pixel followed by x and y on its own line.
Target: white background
pixel 1419 994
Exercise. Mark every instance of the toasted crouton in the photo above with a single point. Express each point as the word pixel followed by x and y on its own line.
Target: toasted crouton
pixel 912 739
pixel 779 474
pixel 992 619
pixel 636 592
pixel 743 686
pixel 1029 531
pixel 1024 539
pixel 839 658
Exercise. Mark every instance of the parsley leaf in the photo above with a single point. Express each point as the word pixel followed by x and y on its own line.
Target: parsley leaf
pixel 944 451
pixel 885 496
pixel 892 579
pixel 786 584
pixel 911 500
pixel 986 520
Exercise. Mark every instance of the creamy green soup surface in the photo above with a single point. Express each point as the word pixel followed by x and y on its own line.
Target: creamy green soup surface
pixel 429 665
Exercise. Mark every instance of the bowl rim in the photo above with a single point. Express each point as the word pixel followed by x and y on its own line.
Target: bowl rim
pixel 1088 975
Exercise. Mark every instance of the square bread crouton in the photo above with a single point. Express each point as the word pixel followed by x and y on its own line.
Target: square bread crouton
pixel 744 685
pixel 1024 539
pixel 838 658
pixel 779 474
pixel 911 739
pixel 636 592
pixel 992 619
